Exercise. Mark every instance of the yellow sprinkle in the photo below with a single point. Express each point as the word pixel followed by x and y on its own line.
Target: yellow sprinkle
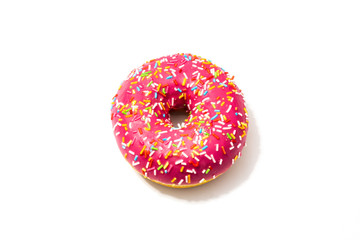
pixel 168 154
pixel 134 82
pixel 142 150
pixel 162 105
pixel 123 139
pixel 173 180
pixel 182 169
pixel 212 88
pixel 184 81
pixel 196 152
pixel 166 165
pixel 222 104
pixel 125 155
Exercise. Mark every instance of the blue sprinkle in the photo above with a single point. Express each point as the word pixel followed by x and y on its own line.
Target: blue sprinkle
pixel 138 89
pixel 236 113
pixel 200 130
pixel 205 93
pixel 155 66
pixel 166 171
pixel 179 90
pixel 217 110
pixel 194 88
pixel 163 114
pixel 155 94
pixel 136 157
pixel 169 77
pixel 223 84
pixel 205 147
pixel 214 117
pixel 164 139
pixel 123 147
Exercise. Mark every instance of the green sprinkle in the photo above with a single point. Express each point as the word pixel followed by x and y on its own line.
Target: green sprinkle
pixel 228 135
pixel 160 167
pixel 207 171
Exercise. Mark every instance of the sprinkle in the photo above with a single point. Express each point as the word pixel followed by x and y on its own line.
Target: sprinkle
pixel 184 82
pixel 205 147
pixel 223 149
pixel 214 117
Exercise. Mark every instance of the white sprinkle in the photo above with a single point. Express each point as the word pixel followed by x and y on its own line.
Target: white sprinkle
pixel 228 110
pixel 179 161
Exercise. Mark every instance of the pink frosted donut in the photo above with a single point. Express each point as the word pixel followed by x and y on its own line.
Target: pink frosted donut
pixel 195 152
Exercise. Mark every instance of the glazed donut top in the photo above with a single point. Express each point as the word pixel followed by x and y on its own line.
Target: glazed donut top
pixel 191 153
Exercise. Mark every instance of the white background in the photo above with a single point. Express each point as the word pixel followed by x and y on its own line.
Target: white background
pixel 63 177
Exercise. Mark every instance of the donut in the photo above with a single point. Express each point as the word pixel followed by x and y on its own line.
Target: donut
pixel 198 150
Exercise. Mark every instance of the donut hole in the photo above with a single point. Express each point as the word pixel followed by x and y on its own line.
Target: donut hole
pixel 178 116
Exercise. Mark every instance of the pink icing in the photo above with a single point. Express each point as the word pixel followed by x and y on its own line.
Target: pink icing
pixel 205 146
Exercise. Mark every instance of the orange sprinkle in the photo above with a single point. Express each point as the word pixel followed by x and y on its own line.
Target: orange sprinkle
pixel 217 137
pixel 223 149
